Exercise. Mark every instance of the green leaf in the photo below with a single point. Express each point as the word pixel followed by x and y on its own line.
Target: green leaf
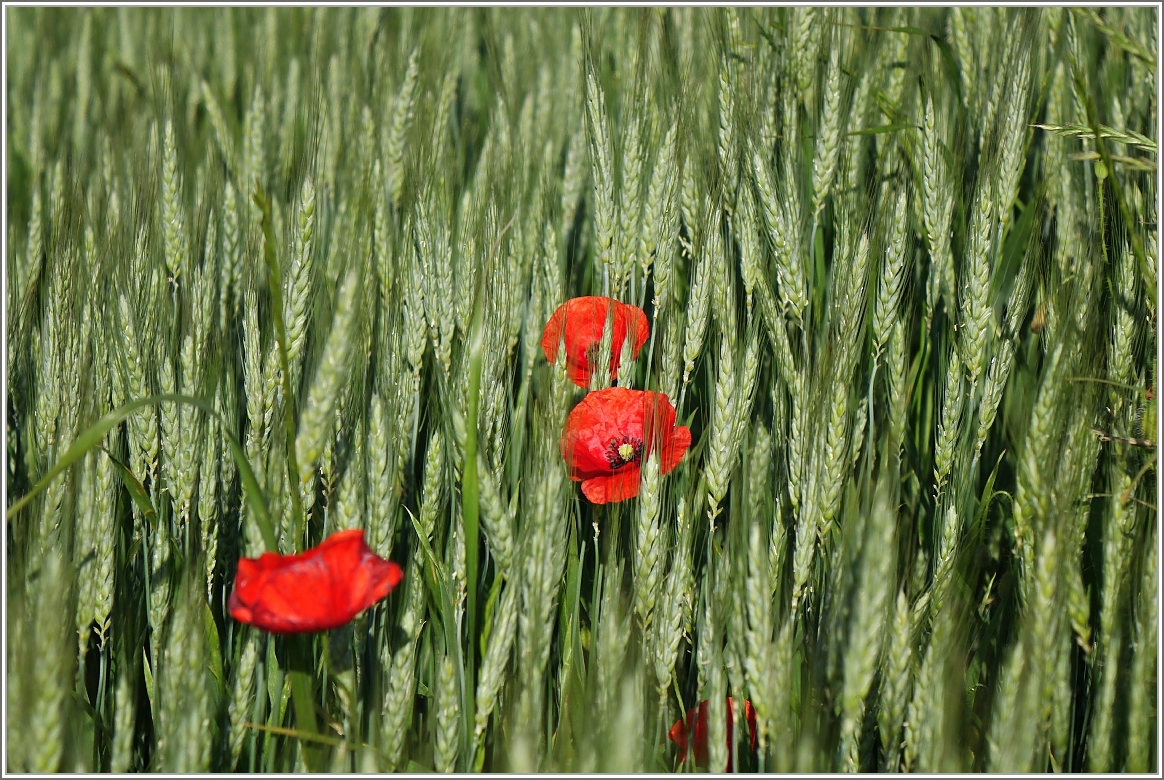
pixel 950 64
pixel 1135 163
pixel 490 606
pixel 274 681
pixel 988 493
pixel 213 640
pixel 302 702
pixel 470 502
pixel 437 582
pixel 1017 242
pixel 80 697
pixel 93 435
pixel 136 489
pixel 149 677
pixel 1141 391
pixel 303 736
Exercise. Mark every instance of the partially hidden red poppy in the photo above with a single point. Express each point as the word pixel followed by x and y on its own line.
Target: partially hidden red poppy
pixel 579 323
pixel 320 589
pixel 697 728
pixel 611 431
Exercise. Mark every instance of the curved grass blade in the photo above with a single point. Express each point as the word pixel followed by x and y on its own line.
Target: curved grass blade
pixel 136 489
pixel 93 435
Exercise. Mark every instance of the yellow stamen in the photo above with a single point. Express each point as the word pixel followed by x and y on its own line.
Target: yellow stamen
pixel 626 451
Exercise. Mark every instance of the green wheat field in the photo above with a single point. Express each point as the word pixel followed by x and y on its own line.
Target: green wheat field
pixel 900 270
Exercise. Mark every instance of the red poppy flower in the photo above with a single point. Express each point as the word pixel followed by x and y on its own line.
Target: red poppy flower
pixel 580 321
pixel 322 588
pixel 698 729
pixel 610 432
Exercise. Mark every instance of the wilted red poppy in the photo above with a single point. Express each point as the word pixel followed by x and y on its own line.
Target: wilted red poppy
pixel 322 588
pixel 611 431
pixel 580 322
pixel 698 730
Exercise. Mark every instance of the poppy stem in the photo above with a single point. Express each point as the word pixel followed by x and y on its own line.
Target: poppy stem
pixel 300 658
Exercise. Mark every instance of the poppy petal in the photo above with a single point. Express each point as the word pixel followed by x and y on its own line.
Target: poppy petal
pixel 678 735
pixel 599 418
pixel 676 449
pixel 614 487
pixel 552 335
pixel 608 434
pixel 628 321
pixel 578 324
pixel 750 716
pixel 696 725
pixel 579 375
pixel 320 589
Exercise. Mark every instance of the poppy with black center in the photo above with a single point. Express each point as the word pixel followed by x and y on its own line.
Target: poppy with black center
pixel 609 434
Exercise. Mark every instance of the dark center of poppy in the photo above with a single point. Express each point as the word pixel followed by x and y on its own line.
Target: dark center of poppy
pixel 624 450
